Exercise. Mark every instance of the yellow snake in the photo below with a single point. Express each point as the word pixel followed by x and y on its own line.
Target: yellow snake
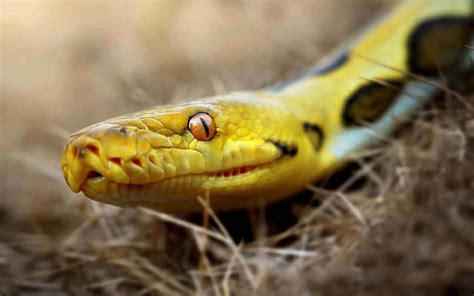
pixel 248 149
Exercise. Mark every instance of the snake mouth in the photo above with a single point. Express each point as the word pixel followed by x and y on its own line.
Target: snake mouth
pixel 233 172
pixel 95 183
pixel 92 176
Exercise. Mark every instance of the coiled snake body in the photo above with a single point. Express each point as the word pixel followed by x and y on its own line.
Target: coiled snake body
pixel 248 149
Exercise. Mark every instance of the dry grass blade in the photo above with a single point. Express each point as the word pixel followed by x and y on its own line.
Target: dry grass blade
pixel 357 213
pixel 225 281
pixel 235 249
pixel 164 276
pixel 282 252
pixel 188 225
pixel 138 270
pixel 205 267
pixel 74 235
pixel 212 234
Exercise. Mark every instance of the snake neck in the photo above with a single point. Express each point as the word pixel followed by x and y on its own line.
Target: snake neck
pixel 382 76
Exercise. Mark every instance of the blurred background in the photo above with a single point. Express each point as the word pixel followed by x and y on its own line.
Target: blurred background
pixel 68 64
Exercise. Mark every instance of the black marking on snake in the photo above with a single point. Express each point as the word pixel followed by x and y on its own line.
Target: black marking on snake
pixel 315 134
pixel 332 65
pixel 206 127
pixel 286 149
pixel 370 102
pixel 439 44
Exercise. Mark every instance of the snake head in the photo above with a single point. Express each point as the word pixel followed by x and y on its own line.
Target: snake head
pixel 235 148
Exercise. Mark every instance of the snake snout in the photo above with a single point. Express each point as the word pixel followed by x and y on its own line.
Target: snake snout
pixel 120 154
pixel 82 162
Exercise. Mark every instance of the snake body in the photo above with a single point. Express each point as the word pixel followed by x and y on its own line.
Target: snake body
pixel 247 149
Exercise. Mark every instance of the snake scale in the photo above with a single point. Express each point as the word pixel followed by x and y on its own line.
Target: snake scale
pixel 251 148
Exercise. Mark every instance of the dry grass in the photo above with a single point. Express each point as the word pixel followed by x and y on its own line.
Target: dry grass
pixel 401 223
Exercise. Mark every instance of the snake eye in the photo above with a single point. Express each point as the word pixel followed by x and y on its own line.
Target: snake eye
pixel 202 126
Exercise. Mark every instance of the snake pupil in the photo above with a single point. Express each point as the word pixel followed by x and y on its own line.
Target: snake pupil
pixel 206 127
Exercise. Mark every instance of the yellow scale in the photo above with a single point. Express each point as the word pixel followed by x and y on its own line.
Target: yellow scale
pixel 248 149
